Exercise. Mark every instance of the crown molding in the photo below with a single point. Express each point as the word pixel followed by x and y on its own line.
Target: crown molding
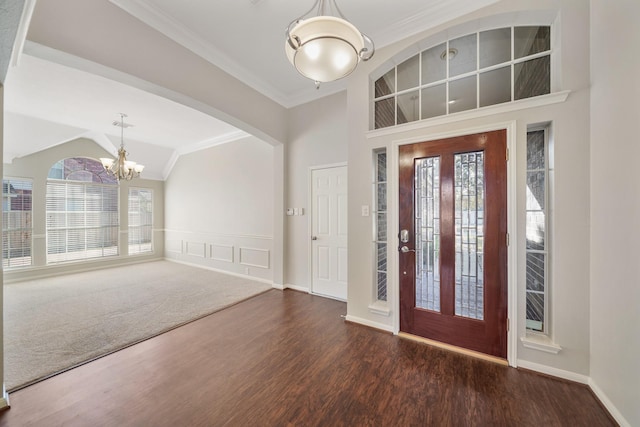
pixel 176 31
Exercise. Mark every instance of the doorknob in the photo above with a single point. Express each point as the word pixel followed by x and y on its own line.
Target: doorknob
pixel 314 238
pixel 405 249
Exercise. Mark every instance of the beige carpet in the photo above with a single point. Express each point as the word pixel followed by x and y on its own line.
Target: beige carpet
pixel 57 323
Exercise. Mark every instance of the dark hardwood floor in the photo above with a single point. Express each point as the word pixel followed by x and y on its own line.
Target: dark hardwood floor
pixel 289 359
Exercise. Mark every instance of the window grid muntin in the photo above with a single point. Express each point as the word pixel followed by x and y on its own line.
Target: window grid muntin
pixel 8 231
pixel 545 252
pixel 476 72
pixel 140 245
pixel 380 239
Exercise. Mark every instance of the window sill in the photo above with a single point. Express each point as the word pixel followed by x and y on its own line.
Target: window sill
pixel 381 308
pixel 540 343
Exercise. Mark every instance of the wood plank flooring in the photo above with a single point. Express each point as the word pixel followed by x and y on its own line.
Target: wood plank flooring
pixel 289 359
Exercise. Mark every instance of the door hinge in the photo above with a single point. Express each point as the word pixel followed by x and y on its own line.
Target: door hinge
pixel 507 154
pixel 508 324
pixel 508 239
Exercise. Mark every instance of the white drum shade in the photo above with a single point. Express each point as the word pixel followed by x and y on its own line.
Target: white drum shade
pixel 328 48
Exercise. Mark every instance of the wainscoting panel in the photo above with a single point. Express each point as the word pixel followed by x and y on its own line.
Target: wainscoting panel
pixel 239 254
pixel 222 253
pixel 254 257
pixel 198 249
pixel 174 246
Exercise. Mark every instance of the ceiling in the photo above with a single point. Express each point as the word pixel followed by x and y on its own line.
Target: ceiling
pixel 48 103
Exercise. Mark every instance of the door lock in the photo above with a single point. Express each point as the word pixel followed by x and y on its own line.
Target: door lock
pixel 404 236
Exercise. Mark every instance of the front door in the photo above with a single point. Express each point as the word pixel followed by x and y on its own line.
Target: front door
pixel 329 232
pixel 453 241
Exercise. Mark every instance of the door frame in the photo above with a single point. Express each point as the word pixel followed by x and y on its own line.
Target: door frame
pixel 310 171
pixel 512 253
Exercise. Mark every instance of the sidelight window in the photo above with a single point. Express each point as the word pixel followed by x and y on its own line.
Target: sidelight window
pixel 140 220
pixel 380 223
pixel 537 229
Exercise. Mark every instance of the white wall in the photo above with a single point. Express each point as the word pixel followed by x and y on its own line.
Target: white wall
pixel 615 204
pixel 219 208
pixel 317 137
pixel 36 167
pixel 569 297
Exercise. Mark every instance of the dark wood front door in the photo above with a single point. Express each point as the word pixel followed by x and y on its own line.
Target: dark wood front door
pixel 453 254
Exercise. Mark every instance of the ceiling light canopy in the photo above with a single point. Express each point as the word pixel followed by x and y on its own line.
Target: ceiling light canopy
pixel 325 48
pixel 121 168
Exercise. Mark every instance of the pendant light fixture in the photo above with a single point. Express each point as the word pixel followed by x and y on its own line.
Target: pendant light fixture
pixel 326 47
pixel 121 168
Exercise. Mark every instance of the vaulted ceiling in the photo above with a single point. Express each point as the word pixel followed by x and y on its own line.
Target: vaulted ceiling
pixel 47 103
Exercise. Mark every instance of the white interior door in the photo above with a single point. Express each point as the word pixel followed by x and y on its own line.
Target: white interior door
pixel 329 232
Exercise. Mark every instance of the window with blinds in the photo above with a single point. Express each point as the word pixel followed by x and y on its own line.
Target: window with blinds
pixel 17 225
pixel 82 211
pixel 140 220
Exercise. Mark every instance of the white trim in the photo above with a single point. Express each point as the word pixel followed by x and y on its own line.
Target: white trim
pixel 310 214
pixel 369 323
pixel 538 101
pixel 21 35
pixel 381 308
pixel 246 248
pixel 4 401
pixel 297 288
pixel 393 206
pixel 278 287
pixel 217 270
pixel 541 343
pixel 214 234
pixel 604 399
pixel 554 372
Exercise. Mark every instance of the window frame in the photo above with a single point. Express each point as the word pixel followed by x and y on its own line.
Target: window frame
pixel 5 231
pixel 129 227
pixel 548 169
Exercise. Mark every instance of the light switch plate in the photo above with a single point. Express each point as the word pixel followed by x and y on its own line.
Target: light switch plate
pixel 365 210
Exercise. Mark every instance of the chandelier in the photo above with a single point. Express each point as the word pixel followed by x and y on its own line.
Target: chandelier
pixel 121 168
pixel 325 48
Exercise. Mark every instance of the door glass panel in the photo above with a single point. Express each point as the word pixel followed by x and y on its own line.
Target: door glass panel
pixel 469 234
pixel 427 230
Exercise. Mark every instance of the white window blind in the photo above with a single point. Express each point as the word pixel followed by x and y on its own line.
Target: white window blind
pixel 82 215
pixel 140 220
pixel 17 225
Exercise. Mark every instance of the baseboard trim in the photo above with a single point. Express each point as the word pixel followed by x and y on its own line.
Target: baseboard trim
pixel 620 419
pixel 369 323
pixel 279 287
pixel 454 348
pixel 554 372
pixel 217 270
pixel 296 287
pixel 4 400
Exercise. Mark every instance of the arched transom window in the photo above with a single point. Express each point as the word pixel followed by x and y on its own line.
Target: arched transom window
pixel 473 71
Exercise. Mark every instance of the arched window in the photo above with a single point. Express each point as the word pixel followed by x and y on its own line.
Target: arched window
pixel 473 71
pixel 82 211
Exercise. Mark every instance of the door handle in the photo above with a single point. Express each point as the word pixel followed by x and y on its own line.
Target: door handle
pixel 314 237
pixel 405 249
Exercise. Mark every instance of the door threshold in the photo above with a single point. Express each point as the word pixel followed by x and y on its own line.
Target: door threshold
pixel 454 348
